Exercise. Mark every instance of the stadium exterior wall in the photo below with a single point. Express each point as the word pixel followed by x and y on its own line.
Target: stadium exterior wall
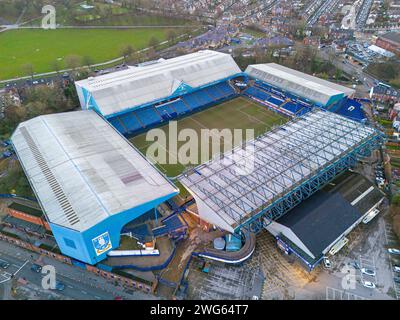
pixel 84 242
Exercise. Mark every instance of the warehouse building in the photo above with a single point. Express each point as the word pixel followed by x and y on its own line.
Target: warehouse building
pixel 312 228
pixel 88 179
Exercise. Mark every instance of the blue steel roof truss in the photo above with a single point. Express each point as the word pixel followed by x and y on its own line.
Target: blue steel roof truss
pixel 278 208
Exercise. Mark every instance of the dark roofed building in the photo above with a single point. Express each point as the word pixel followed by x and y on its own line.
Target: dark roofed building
pixel 389 41
pixel 320 220
pixel 315 225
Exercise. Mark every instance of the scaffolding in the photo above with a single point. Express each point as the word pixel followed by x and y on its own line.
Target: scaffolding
pixel 264 178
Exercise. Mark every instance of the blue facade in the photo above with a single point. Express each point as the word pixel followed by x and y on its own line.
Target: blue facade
pixel 91 246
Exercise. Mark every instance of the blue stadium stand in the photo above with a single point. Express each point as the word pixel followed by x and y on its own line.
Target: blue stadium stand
pixel 148 116
pixel 174 226
pixel 351 109
pixel 180 107
pixel 275 101
pixel 130 122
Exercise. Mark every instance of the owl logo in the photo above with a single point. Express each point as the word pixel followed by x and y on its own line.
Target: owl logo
pixel 102 243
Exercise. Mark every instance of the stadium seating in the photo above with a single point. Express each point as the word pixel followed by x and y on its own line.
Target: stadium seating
pixel 180 107
pixel 116 123
pixel 137 120
pixel 295 108
pixel 130 122
pixel 166 110
pixel 226 89
pixel 148 116
pixel 351 109
pixel 275 101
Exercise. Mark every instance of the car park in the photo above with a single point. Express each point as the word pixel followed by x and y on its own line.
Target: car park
pixel 368 272
pixel 4 265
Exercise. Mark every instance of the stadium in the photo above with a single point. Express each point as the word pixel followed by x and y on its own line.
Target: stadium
pixel 91 178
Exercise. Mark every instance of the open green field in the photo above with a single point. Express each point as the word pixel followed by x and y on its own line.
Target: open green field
pixel 238 113
pixel 42 47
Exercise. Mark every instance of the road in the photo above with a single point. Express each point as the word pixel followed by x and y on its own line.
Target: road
pixel 79 283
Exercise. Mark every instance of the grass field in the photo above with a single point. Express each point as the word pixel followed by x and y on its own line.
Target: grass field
pixel 238 113
pixel 42 47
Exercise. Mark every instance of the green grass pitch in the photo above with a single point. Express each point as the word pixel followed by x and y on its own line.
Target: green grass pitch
pixel 239 113
pixel 42 47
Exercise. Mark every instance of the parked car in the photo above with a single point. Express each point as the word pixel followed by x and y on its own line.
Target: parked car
pixel 369 284
pixel 36 268
pixel 355 265
pixel 4 265
pixel 368 272
pixel 394 251
pixel 397 279
pixel 396 269
pixel 60 286
pixel 327 263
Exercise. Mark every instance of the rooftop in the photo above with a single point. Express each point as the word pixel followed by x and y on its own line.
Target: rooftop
pixel 320 220
pixel 392 36
pixel 122 90
pixel 82 170
pixel 297 82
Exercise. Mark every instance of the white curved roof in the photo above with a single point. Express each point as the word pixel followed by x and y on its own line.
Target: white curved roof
pixel 82 170
pixel 135 86
pixel 299 83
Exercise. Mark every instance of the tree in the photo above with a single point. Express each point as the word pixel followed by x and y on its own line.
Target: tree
pixel 127 51
pixel 55 65
pixel 73 62
pixel 171 35
pixel 28 69
pixel 87 61
pixel 153 42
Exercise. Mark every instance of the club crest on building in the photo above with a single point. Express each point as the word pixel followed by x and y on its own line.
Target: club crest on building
pixel 102 243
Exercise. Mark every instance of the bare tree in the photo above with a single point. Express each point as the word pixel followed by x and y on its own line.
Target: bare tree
pixel 28 69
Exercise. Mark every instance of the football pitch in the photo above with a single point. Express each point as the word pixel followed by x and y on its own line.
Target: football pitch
pixel 239 113
pixel 42 48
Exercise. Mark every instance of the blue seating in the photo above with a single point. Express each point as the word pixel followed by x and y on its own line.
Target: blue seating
pixel 116 123
pixel 130 122
pixel 148 116
pixel 166 110
pixel 226 89
pixel 180 107
pixel 351 109
pixel 275 101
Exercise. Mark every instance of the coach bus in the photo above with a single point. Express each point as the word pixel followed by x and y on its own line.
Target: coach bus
pixel 338 246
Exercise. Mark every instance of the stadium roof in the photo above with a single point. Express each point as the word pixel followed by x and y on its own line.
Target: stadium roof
pixel 231 189
pixel 82 170
pixel 136 86
pixel 299 83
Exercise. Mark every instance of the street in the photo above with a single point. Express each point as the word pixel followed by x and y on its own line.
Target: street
pixel 79 283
